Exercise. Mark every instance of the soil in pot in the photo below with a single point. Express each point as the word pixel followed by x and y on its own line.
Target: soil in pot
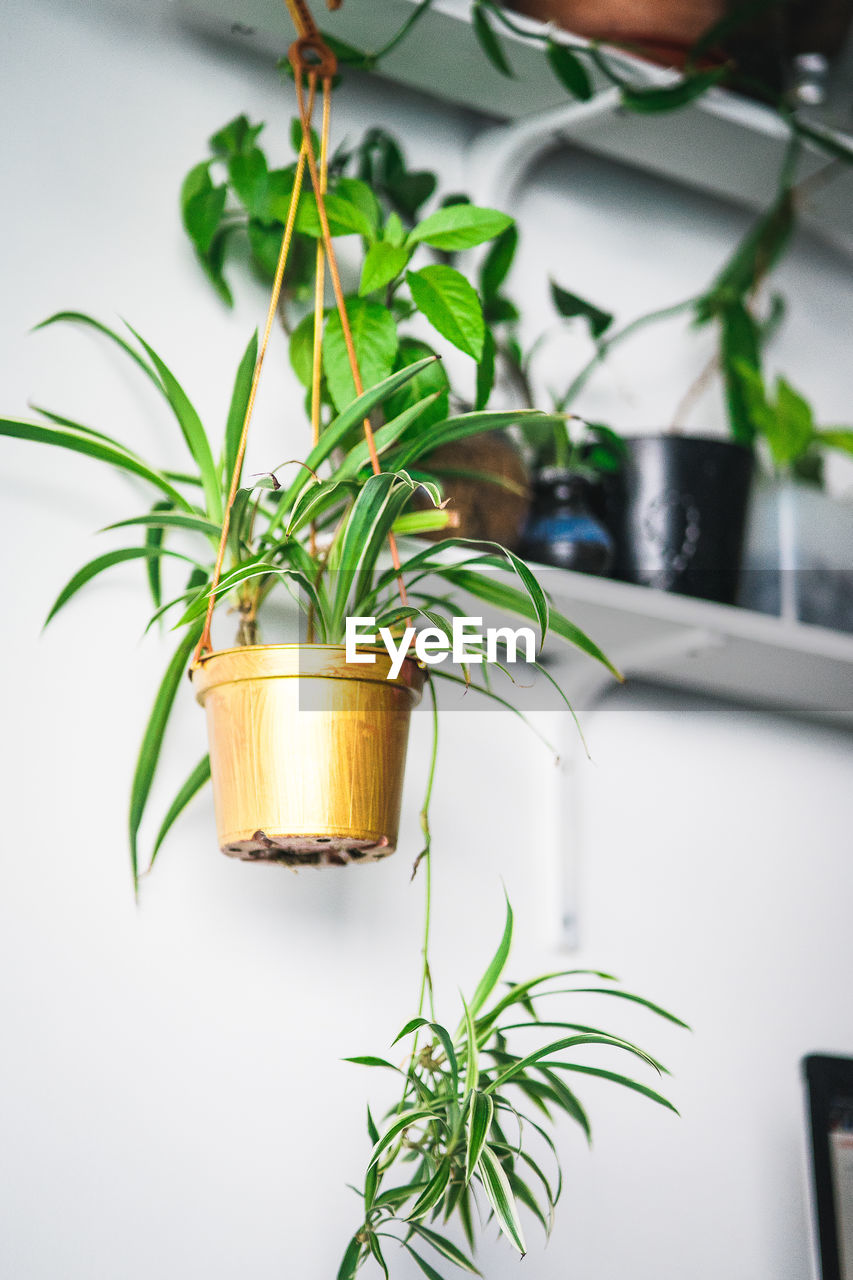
pixel 677 511
pixel 563 527
pixel 486 482
pixel 307 751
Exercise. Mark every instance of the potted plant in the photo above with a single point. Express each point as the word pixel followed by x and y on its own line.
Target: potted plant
pixel 664 30
pixel 236 199
pixel 567 456
pixel 678 506
pixel 325 536
pixel 799 546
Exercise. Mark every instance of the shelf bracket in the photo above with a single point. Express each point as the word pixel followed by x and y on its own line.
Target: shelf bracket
pixel 500 157
pixel 637 659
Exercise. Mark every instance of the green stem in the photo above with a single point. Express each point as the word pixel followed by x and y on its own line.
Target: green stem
pixel 607 344
pixel 425 855
pixel 404 30
pixel 562 446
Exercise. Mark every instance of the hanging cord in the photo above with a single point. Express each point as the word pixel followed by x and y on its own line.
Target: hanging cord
pixel 309 56
pixel 204 644
pixel 296 61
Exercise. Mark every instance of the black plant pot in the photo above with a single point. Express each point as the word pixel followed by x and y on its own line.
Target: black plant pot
pixel 563 527
pixel 677 511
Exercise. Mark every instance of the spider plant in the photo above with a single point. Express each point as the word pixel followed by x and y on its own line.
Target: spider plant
pixel 460 1140
pixel 320 535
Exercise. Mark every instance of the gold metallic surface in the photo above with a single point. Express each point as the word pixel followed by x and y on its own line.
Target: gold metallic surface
pixel 307 751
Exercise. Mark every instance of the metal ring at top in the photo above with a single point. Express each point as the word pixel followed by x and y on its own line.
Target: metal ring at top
pixel 311 53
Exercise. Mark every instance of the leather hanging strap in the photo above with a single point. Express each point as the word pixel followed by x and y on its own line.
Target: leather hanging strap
pixel 311 59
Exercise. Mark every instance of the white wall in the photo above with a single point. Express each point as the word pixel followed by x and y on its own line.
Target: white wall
pixel 171 1096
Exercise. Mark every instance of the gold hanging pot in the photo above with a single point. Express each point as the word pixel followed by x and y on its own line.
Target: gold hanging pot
pixel 307 751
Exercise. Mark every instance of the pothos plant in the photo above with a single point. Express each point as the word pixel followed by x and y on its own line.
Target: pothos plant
pixel 406 279
pixel 731 54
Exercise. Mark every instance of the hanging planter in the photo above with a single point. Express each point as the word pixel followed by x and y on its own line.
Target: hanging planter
pixel 663 29
pixel 307 751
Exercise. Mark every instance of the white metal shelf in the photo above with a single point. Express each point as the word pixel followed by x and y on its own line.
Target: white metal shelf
pixel 719 650
pixel 723 144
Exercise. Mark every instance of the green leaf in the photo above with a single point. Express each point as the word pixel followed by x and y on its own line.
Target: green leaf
pixel 375 1248
pixel 451 305
pixel 374 511
pixel 372 1131
pixel 361 196
pixel 670 98
pixel 79 317
pixel 428 1270
pixel 739 347
pixel 237 409
pixel 301 350
pixel 569 70
pixel 432 1193
pixel 633 999
pixel 154 537
pixel 459 226
pixel 500 1197
pixel 197 779
pixel 345 218
pixel 497 263
pixel 837 438
pixel 382 264
pixel 615 1078
pixel 395 1196
pixel 431 380
pixel 82 429
pixel 351 1259
pixel 449 1052
pixel 570 305
pixel 338 430
pixel 402 1122
pixel 489 41
pixel 192 431
pixel 213 262
pixel 152 742
pixel 367 1060
pixel 265 246
pixel 484 586
pixel 202 207
pixel 415 444
pixel 525 1196
pixel 755 255
pixel 489 980
pixel 567 1100
pixel 445 1247
pixel 482 1111
pixel 486 372
pixel 235 137
pixel 413 524
pixel 414 1024
pixel 374 336
pixel 168 519
pixel 248 173
pixel 472 1072
pixel 420 413
pixel 99 564
pixel 314 501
